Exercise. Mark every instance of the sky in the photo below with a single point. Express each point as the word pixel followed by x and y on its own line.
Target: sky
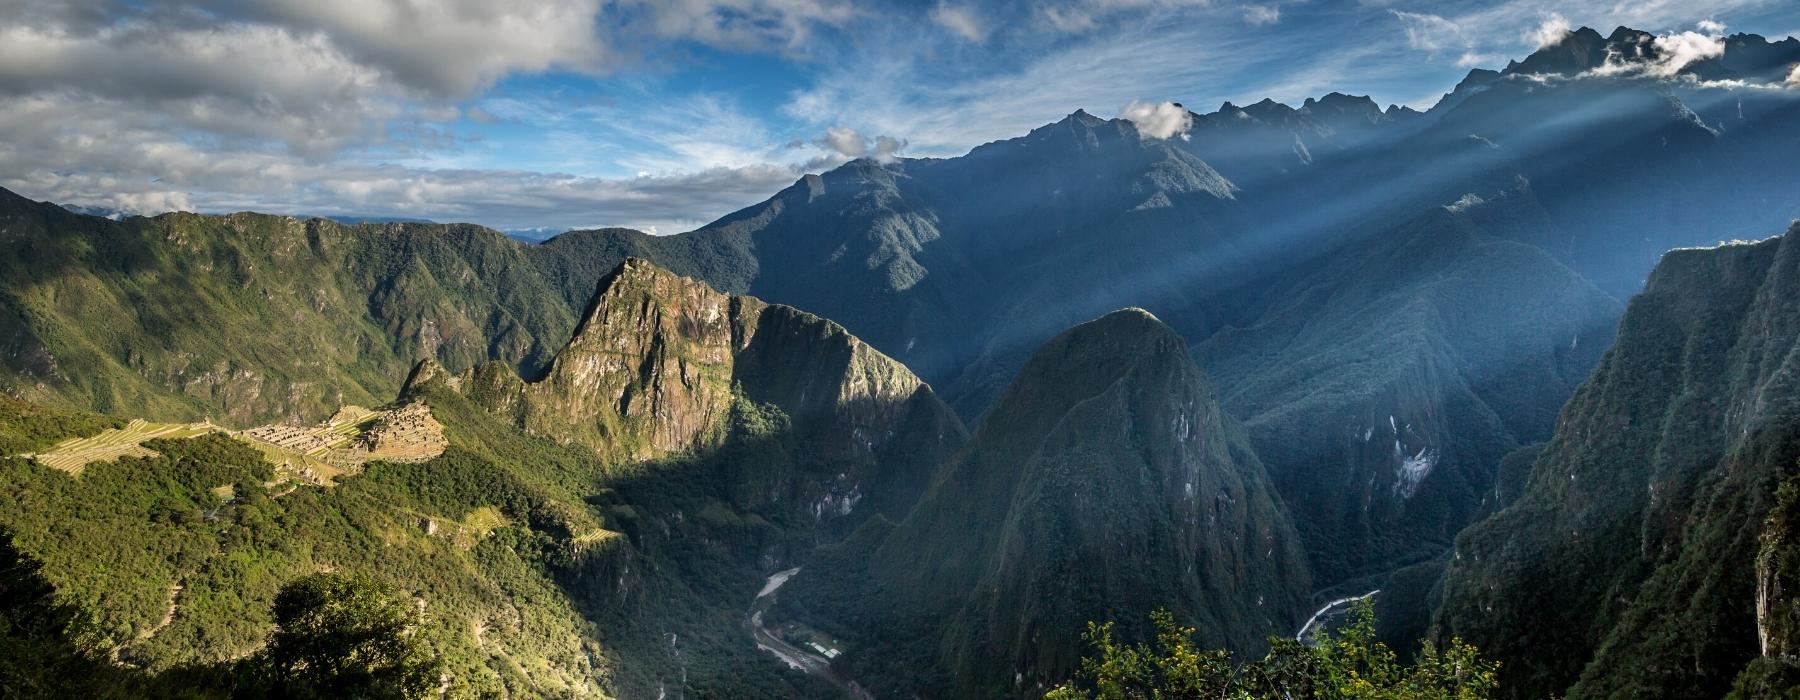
pixel 662 115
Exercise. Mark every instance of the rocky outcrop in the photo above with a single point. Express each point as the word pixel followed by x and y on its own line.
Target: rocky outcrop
pixel 660 361
pixel 665 367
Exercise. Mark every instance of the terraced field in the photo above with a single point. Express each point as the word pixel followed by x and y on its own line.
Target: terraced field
pixel 73 456
pixel 316 455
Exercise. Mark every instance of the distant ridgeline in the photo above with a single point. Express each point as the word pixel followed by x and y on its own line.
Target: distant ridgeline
pixel 587 455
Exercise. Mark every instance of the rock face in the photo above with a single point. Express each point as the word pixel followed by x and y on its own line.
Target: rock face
pixel 1630 564
pixel 662 366
pixel 1105 484
pixel 647 373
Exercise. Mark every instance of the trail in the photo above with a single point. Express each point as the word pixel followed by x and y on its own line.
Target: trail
pixel 794 657
pixel 1301 635
pixel 168 617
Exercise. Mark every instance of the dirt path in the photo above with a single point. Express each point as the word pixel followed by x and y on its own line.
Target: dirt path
pixel 168 617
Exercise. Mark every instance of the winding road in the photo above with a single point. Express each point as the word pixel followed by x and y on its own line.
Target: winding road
pixel 794 656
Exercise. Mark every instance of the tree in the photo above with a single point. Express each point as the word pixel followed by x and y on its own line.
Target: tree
pixel 342 636
pixel 1349 665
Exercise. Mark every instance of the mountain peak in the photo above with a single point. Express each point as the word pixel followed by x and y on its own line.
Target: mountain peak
pixel 1082 117
pixel 1110 422
pixel 1576 52
pixel 1130 319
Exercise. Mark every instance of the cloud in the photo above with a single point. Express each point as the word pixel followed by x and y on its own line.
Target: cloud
pixel 1428 32
pixel 444 47
pixel 1676 51
pixel 1472 59
pixel 960 21
pixel 1158 120
pixel 1550 32
pixel 72 150
pixel 848 144
pixel 1672 53
pixel 1261 15
pixel 1712 27
pixel 787 26
pixel 1793 77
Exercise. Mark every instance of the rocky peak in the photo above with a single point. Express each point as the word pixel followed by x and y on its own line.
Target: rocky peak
pixel 1577 52
pixel 659 361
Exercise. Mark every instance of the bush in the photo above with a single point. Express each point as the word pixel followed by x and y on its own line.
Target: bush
pixel 1348 665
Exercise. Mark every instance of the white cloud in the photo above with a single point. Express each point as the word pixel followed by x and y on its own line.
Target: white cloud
pixel 83 150
pixel 1472 59
pixel 1673 52
pixel 960 21
pixel 447 47
pixel 1158 120
pixel 1712 27
pixel 1676 51
pixel 1429 32
pixel 1549 32
pixel 849 144
pixel 1793 77
pixel 1260 15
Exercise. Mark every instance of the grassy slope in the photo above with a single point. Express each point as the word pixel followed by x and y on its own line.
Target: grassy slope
pixel 250 318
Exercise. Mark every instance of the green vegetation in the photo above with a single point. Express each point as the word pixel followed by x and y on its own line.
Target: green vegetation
pixel 1350 664
pixel 1105 481
pixel 338 636
pixel 25 427
pixel 342 636
pixel 249 318
pixel 1392 351
pixel 543 568
pixel 1628 566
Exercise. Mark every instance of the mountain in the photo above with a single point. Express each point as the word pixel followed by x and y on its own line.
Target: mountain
pixel 1389 308
pixel 1629 566
pixel 1105 483
pixel 249 318
pixel 663 365
pixel 546 567
pixel 1382 386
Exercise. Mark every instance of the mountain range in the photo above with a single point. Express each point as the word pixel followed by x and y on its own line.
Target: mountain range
pixel 914 421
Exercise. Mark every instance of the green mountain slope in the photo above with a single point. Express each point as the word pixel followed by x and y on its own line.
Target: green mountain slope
pixel 546 568
pixel 250 318
pixel 1627 568
pixel 1106 483
pixel 1383 386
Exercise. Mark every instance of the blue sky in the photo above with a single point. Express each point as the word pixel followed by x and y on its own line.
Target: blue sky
pixel 664 114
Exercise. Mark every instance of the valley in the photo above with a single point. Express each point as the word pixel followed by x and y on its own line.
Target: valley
pixel 1256 399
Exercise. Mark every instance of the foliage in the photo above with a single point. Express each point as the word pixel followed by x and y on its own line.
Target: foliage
pixel 1628 566
pixel 39 659
pixel 1350 664
pixel 26 426
pixel 343 635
